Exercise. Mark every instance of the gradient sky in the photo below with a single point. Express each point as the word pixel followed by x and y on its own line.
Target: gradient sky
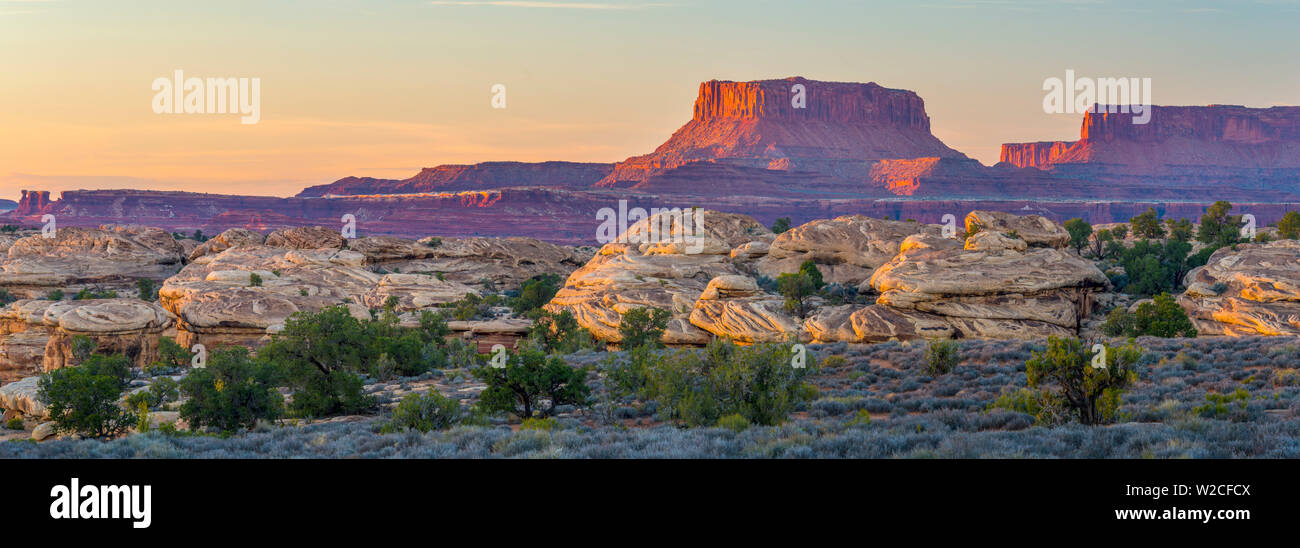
pixel 384 87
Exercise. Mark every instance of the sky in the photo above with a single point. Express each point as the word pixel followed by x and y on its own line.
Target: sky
pixel 382 88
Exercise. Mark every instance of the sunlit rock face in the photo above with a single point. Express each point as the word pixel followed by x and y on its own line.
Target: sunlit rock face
pixel 667 268
pixel 36 335
pixel 239 295
pixel 734 307
pixel 311 268
pixel 75 258
pixel 1034 230
pixel 846 249
pixel 1252 290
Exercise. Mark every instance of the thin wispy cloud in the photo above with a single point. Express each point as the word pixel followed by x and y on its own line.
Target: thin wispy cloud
pixel 549 5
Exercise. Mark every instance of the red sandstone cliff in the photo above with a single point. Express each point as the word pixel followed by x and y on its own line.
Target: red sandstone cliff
pixel 1174 140
pixel 755 124
pixel 1040 155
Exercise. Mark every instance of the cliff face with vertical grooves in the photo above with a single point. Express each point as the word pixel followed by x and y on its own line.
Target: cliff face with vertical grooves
pixel 33 202
pixel 842 127
pixel 1040 155
pixel 1177 141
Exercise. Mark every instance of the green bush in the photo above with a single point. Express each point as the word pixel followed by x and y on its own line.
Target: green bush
pixel 548 424
pixel 1065 373
pixel 254 279
pixel 643 327
pixel 82 347
pixel 425 413
pixel 160 392
pixel 56 295
pixel 1080 233
pixel 1160 318
pixel 87 293
pixel 561 333
pixel 782 224
pixel 534 293
pixel 697 388
pixel 1180 230
pixel 433 327
pixel 84 398
pixel 529 377
pixel 1223 406
pixel 1032 402
pixel 940 357
pixel 1153 267
pixel 232 392
pixel 1218 228
pixel 797 288
pixel 15 423
pixel 1289 227
pixel 323 353
pixel 172 357
pixel 734 422
pixel 1147 224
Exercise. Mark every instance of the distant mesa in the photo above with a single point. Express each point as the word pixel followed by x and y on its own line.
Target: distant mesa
pixel 1220 136
pixel 487 175
pixel 842 128
pixel 792 147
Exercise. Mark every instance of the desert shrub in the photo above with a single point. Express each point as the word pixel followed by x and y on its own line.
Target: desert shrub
pixel 6 297
pixel 1289 227
pixel 643 327
pixel 734 422
pixel 535 424
pixel 433 327
pixel 529 377
pixel 425 413
pixel 534 293
pixel 172 357
pixel 1180 230
pixel 782 224
pixel 940 356
pixel 1218 228
pixel 461 354
pixel 232 392
pixel 321 354
pixel 254 279
pixel 88 293
pixel 474 307
pixel 15 423
pixel 84 399
pixel 1153 267
pixel 696 388
pixel 160 392
pixel 1233 405
pixel 1160 318
pixel 82 347
pixel 1147 224
pixel 797 288
pixel 1080 233
pixel 1065 374
pixel 1118 322
pixel 147 289
pixel 560 333
pixel 56 295
pixel 837 294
